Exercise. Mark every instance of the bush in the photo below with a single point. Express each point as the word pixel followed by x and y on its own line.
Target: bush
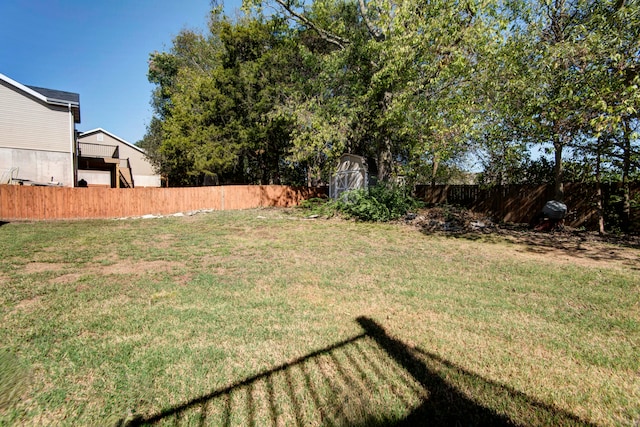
pixel 319 206
pixel 380 203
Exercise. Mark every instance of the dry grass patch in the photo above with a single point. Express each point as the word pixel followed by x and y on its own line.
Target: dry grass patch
pixel 130 267
pixel 41 267
pixel 28 305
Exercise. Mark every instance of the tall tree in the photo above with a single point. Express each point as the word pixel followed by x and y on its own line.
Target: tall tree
pixel 558 60
pixel 215 100
pixel 614 39
pixel 394 80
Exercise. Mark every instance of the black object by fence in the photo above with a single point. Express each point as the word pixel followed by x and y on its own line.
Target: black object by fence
pixel 521 203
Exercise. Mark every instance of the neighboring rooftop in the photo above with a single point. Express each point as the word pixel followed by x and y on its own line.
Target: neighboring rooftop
pixel 56 95
pixel 49 96
pixel 59 96
pixel 97 130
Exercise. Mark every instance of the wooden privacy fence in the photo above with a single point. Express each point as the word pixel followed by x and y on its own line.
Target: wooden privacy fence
pixel 45 203
pixel 521 203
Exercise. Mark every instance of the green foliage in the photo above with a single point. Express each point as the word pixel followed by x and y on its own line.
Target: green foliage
pixel 381 203
pixel 524 171
pixel 321 207
pixel 216 102
pixel 452 171
pixel 277 97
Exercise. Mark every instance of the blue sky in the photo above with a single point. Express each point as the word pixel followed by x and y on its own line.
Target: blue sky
pixel 98 49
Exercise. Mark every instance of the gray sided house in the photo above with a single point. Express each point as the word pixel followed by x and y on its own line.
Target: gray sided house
pixel 37 134
pixel 39 144
pixel 107 160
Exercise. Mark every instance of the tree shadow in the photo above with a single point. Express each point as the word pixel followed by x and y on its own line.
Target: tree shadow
pixel 584 245
pixel 371 379
pixel 573 244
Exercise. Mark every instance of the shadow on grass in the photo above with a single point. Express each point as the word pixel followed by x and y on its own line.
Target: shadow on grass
pixel 371 379
pixel 577 244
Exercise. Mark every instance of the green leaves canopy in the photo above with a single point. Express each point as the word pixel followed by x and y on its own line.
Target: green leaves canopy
pixel 408 84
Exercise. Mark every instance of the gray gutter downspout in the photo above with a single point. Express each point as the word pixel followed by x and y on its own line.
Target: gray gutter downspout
pixel 74 169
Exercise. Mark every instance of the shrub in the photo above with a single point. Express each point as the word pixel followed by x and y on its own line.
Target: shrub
pixel 381 203
pixel 319 206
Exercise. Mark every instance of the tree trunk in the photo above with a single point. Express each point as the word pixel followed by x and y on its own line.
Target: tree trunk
pixel 385 155
pixel 276 171
pixel 626 166
pixel 599 202
pixel 384 160
pixel 558 170
pixel 434 171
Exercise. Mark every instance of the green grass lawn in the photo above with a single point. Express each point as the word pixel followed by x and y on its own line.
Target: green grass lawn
pixel 263 318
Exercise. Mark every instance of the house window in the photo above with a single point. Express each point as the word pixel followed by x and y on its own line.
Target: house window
pixel 100 137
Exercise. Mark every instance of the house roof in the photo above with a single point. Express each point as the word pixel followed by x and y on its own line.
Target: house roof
pixel 60 95
pixel 49 96
pixel 97 130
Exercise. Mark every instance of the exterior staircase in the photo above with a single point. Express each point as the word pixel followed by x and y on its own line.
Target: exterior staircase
pixel 106 158
pixel 126 177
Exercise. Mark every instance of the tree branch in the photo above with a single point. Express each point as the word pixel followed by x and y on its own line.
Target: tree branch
pixel 376 34
pixel 324 34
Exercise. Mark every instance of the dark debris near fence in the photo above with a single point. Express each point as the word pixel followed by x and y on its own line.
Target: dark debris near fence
pixel 450 219
pixel 457 221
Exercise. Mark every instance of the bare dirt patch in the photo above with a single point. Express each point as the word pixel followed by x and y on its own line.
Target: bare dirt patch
pixel 81 288
pixel 164 241
pixel 137 267
pixel 41 267
pixel 125 267
pixel 67 278
pixel 184 279
pixel 29 304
